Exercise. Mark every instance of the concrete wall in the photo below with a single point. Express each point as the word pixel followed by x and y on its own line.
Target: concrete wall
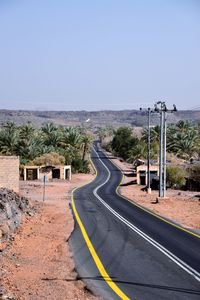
pixel 9 172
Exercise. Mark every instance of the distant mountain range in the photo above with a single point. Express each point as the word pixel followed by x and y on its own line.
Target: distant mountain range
pixel 94 119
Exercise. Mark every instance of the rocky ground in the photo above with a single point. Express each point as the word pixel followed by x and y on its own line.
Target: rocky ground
pixel 12 208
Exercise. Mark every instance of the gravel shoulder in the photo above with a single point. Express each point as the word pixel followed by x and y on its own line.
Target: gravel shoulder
pixel 37 262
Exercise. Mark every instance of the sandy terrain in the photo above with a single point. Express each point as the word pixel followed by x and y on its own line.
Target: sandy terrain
pixel 38 263
pixel 181 206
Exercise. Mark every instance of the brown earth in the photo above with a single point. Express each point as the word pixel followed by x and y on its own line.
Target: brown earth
pixel 183 207
pixel 37 264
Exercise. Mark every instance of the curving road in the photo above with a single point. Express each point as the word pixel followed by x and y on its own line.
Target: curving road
pixel 123 251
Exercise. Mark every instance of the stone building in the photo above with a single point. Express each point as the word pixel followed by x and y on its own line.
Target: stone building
pixel 50 172
pixel 9 172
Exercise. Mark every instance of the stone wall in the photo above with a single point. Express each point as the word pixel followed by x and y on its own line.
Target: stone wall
pixel 9 172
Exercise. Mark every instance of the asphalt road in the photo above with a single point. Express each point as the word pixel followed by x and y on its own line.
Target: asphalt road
pixel 144 256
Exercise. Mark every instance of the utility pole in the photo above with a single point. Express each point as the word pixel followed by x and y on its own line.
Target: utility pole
pixel 161 156
pixel 149 110
pixel 164 152
pixel 162 110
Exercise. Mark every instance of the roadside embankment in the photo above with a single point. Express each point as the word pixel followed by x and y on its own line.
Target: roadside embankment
pixel 12 208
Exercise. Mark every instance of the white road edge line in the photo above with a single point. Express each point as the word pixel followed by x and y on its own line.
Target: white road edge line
pixel 173 257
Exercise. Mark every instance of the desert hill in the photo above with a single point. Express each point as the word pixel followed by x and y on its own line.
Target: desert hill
pixel 94 118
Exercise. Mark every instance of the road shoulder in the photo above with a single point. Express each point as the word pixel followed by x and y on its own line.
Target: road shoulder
pixel 182 207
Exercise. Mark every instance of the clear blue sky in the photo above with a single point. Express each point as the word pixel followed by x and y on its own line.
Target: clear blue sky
pixel 99 54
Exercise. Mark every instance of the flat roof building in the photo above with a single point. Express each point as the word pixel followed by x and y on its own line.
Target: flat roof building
pixel 50 172
pixel 142 173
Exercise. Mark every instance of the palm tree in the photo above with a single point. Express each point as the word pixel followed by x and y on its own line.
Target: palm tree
pixel 26 131
pixel 48 128
pixel 29 143
pixel 69 152
pixel 71 136
pixel 86 144
pixel 139 151
pixel 183 126
pixel 9 139
pixel 10 126
pixel 183 139
pixel 8 143
pixel 52 135
pixel 30 151
pixel 154 136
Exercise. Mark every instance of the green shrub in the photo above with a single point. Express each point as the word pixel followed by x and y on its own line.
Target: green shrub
pixel 123 141
pixel 175 177
pixel 194 172
pixel 80 166
pixel 193 177
pixel 108 147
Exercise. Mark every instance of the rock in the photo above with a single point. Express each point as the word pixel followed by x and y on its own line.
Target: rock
pixel 7 297
pixel 29 213
pixel 4 230
pixel 12 206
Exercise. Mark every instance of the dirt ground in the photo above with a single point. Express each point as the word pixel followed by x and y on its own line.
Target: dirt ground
pixel 183 207
pixel 38 264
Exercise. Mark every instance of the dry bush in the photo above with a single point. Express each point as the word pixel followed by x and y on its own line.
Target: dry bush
pixel 49 159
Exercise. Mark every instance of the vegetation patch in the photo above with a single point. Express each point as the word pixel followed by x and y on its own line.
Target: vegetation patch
pixel 183 150
pixel 50 144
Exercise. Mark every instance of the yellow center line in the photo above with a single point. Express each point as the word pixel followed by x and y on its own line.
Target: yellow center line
pixel 94 255
pixel 92 250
